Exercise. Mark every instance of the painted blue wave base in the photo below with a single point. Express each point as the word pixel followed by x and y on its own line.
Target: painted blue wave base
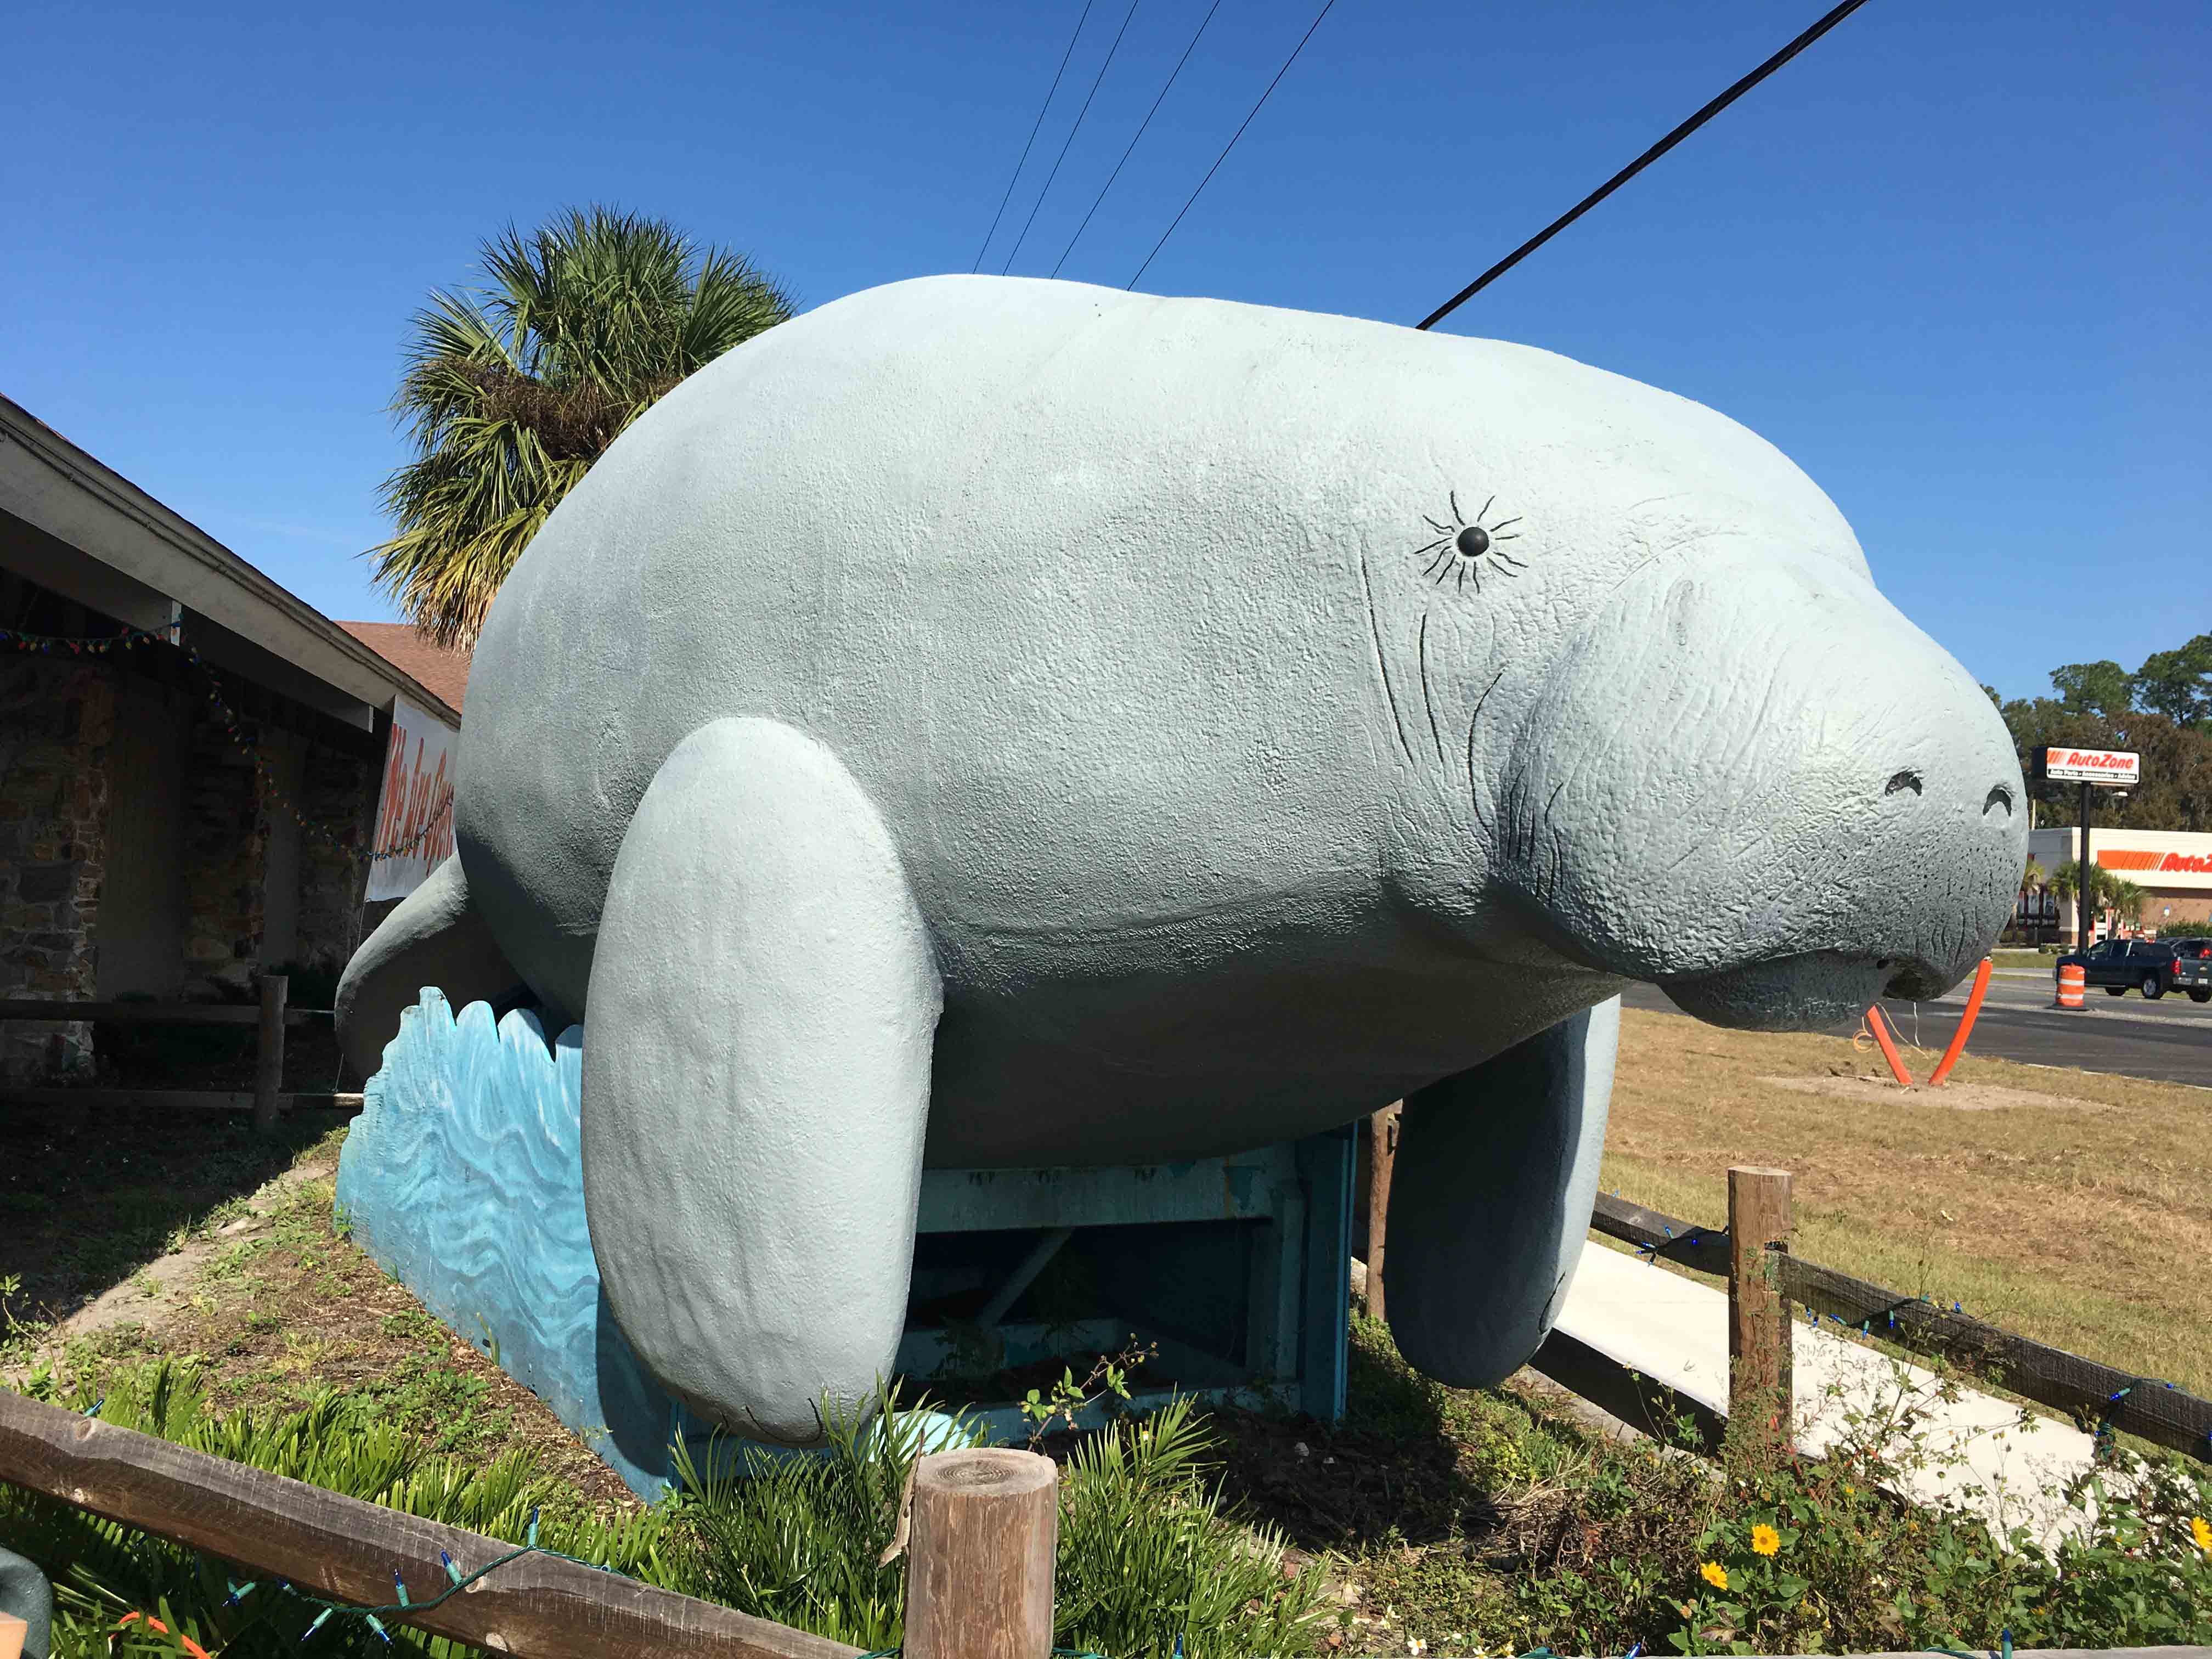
pixel 462 1178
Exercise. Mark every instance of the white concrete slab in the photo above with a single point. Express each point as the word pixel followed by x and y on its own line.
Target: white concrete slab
pixel 1976 1454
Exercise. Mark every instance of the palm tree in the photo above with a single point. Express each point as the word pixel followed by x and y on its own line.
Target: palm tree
pixel 2107 892
pixel 514 390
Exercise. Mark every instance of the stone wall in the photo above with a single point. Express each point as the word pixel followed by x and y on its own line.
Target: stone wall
pixel 226 851
pixel 338 796
pixel 57 719
pixel 58 746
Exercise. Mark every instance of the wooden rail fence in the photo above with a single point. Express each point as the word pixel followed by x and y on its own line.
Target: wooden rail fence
pixel 979 1568
pixel 1765 1281
pixel 270 1017
pixel 2144 1407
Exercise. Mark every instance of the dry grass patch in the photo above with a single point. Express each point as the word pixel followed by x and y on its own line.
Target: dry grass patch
pixel 2074 1207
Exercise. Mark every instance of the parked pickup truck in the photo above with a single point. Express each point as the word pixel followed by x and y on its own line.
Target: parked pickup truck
pixel 2153 966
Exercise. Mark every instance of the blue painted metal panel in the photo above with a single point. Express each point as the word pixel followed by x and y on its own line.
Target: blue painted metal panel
pixel 1206 1189
pixel 1325 1162
pixel 462 1177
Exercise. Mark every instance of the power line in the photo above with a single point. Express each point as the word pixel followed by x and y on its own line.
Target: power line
pixel 1641 162
pixel 1023 162
pixel 1233 137
pixel 1141 126
pixel 1072 132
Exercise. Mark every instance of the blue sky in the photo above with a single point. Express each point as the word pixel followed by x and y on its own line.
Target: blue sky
pixel 1953 260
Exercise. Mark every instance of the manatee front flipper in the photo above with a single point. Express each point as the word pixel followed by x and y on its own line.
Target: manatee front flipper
pixel 431 937
pixel 1489 1199
pixel 756 1060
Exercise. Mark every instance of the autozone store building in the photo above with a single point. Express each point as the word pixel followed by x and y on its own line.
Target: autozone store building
pixel 2173 867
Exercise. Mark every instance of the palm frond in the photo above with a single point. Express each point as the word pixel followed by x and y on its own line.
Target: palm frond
pixel 509 392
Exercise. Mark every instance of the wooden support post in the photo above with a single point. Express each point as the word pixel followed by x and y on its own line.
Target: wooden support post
pixel 1760 1407
pixel 979 1555
pixel 268 1059
pixel 1382 1158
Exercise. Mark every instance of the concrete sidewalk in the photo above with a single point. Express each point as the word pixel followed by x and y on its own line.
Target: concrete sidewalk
pixel 1981 1458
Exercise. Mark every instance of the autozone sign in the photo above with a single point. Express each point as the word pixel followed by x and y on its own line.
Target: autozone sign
pixel 2116 768
pixel 2164 864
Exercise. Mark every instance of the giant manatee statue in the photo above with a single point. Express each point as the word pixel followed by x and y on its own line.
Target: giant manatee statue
pixel 1004 723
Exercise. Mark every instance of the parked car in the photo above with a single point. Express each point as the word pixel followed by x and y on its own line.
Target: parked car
pixel 2153 966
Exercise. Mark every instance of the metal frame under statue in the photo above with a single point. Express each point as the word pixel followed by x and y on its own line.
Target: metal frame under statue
pixel 989 724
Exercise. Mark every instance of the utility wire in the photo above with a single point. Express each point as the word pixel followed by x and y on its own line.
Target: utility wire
pixel 1641 162
pixel 1023 162
pixel 1072 132
pixel 1141 126
pixel 1233 137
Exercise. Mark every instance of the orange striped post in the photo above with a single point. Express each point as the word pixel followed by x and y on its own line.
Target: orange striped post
pixel 2073 980
pixel 1965 1025
pixel 1880 1027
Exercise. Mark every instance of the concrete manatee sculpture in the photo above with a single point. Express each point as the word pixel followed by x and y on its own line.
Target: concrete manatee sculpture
pixel 1003 723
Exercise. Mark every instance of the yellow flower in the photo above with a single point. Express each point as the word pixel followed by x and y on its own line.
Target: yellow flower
pixel 1715 1574
pixel 1765 1540
pixel 1851 1492
pixel 2202 1532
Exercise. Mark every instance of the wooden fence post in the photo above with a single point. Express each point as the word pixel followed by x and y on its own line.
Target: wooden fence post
pixel 1762 1410
pixel 979 1555
pixel 269 1057
pixel 1382 1159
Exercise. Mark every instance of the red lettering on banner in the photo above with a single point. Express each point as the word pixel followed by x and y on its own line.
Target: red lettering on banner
pixel 2193 863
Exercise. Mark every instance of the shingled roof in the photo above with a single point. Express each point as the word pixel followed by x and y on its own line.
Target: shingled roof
pixel 442 669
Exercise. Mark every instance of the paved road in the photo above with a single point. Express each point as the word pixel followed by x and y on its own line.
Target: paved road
pixel 2169 1040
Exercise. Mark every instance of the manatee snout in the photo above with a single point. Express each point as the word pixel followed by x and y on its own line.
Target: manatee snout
pixel 1758 786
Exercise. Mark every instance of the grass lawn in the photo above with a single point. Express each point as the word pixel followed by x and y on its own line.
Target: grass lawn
pixel 2069 1207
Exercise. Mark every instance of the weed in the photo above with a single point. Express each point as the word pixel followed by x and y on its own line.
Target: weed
pixel 233 1262
pixel 410 1324
pixel 1068 1400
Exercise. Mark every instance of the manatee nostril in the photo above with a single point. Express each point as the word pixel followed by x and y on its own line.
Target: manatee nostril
pixel 1908 779
pixel 1998 796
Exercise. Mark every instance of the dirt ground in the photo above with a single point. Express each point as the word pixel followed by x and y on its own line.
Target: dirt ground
pixel 2071 1207
pixel 141 1234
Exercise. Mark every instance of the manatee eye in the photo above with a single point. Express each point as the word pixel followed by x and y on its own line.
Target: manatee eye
pixel 1907 779
pixel 1465 548
pixel 1998 796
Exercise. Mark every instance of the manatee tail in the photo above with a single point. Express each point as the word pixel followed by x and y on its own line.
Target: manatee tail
pixel 434 937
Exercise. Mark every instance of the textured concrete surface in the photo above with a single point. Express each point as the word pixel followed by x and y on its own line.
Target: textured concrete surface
pixel 1265 716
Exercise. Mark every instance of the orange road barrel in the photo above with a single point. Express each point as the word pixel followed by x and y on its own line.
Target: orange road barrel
pixel 2071 983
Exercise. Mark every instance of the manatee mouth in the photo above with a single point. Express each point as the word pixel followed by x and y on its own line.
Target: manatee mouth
pixel 1804 992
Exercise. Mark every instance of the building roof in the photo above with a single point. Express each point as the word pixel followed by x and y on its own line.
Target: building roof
pixel 443 668
pixel 75 525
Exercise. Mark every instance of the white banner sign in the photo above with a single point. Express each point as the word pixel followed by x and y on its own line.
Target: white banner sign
pixel 2114 767
pixel 414 812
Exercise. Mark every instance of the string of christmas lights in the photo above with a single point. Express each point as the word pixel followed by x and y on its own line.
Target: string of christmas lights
pixel 76 646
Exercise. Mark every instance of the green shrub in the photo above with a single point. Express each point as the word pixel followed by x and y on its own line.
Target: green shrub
pixel 1146 1553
